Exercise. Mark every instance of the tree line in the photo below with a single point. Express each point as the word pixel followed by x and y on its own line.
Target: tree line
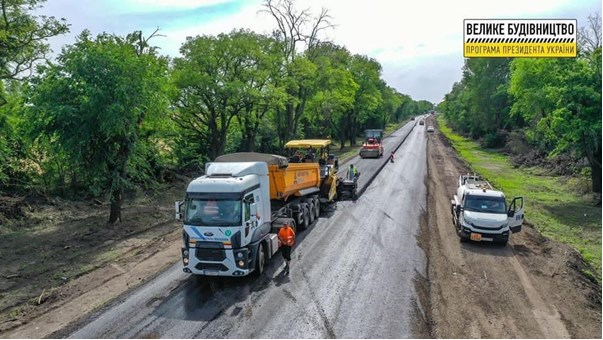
pixel 551 104
pixel 111 113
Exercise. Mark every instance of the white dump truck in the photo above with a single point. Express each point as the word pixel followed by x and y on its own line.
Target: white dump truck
pixel 231 215
pixel 481 213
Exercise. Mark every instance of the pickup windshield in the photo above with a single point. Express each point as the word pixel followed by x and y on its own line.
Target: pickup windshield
pixel 212 212
pixel 486 204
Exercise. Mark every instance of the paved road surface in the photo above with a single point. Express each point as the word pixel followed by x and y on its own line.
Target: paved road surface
pixel 353 274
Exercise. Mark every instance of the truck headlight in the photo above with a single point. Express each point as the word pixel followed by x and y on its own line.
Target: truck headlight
pixel 185 253
pixel 185 261
pixel 464 223
pixel 240 255
pixel 504 225
pixel 241 263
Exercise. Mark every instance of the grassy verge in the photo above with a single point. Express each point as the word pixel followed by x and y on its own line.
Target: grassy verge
pixel 351 151
pixel 552 205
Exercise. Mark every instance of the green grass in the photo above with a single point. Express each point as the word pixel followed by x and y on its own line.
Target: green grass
pixel 552 204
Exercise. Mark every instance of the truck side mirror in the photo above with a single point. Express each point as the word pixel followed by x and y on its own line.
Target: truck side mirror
pixel 177 206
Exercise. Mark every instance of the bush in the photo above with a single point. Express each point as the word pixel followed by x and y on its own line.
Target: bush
pixel 495 140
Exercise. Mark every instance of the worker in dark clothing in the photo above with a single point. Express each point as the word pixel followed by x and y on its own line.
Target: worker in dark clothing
pixel 310 154
pixel 295 158
pixel 286 236
pixel 391 157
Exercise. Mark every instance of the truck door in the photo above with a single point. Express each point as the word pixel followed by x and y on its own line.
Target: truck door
pixel 249 222
pixel 515 214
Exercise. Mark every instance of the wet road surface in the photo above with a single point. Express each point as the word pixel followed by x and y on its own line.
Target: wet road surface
pixel 353 274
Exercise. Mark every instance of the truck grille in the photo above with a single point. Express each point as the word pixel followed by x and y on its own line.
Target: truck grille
pixel 211 266
pixel 210 251
pixel 487 228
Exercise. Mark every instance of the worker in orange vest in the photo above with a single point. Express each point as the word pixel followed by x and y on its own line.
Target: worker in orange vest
pixel 287 238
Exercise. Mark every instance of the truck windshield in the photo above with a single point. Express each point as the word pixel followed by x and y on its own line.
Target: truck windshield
pixel 212 212
pixel 486 204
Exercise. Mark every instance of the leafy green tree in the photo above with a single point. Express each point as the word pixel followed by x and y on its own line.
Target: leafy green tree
pixel 389 106
pixel 561 97
pixel 295 28
pixel 366 72
pixel 221 79
pixel 94 102
pixel 22 43
pixel 335 92
pixel 260 94
pixel 14 146
pixel 23 36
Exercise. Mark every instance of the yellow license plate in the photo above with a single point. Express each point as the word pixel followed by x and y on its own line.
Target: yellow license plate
pixel 476 237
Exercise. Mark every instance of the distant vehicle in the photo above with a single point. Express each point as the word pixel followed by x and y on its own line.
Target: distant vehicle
pixel 430 128
pixel 412 118
pixel 421 122
pixel 481 213
pixel 373 146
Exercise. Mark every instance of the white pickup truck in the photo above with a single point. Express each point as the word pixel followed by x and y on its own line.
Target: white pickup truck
pixel 481 213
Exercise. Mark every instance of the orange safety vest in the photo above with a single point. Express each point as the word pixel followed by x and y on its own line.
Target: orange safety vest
pixel 286 235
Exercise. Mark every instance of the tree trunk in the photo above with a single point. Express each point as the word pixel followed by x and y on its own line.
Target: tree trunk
pixel 74 184
pixel 596 178
pixel 116 200
pixel 595 166
pixel 117 185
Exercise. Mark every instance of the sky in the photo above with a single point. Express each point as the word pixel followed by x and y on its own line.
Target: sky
pixel 418 43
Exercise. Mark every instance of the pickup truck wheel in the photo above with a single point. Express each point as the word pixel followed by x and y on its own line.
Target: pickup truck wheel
pixel 463 239
pixel 503 242
pixel 260 261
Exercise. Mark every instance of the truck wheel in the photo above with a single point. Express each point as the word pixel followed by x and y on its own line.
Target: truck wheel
pixel 463 239
pixel 503 242
pixel 311 211
pixel 305 223
pixel 260 261
pixel 316 208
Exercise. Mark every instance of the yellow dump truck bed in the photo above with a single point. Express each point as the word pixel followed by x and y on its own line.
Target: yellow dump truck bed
pixel 289 181
pixel 286 179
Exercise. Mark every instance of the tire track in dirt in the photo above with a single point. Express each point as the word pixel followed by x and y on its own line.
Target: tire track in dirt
pixel 481 290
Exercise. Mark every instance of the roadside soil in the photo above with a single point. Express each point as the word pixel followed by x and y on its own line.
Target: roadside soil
pixel 62 260
pixel 531 288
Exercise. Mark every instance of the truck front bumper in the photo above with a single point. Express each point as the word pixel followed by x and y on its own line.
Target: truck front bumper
pixel 193 263
pixel 485 236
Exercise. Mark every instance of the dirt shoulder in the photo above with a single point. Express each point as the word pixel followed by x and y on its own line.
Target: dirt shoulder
pixel 531 288
pixel 63 261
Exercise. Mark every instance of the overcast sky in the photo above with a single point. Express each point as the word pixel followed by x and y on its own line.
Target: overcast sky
pixel 418 43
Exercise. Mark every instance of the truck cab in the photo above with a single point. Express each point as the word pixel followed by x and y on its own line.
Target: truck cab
pixel 481 213
pixel 226 219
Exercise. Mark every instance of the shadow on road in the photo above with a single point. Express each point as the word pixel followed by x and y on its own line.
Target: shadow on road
pixel 203 298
